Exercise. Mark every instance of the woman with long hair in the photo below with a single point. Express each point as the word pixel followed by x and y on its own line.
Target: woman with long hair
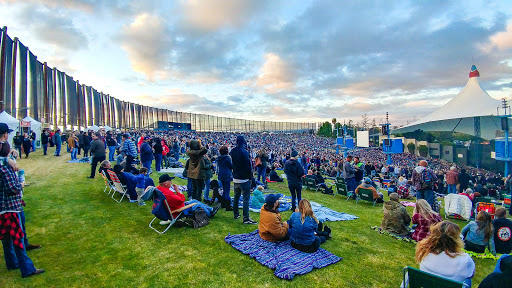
pixel 424 217
pixel 441 254
pixel 478 234
pixel 306 231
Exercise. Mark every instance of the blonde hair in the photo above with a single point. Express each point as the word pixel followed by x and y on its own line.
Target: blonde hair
pixel 444 237
pixel 261 188
pixel 424 209
pixel 306 210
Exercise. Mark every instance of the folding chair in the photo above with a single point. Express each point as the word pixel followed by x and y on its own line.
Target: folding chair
pixel 118 187
pixel 162 211
pixel 414 278
pixel 340 180
pixel 341 189
pixel 487 207
pixel 506 201
pixel 108 183
pixel 366 195
pixel 310 183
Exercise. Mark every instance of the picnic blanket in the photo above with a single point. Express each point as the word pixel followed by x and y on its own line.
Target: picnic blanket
pixel 397 237
pixel 408 203
pixel 172 170
pixel 180 175
pixel 81 160
pixel 286 203
pixel 281 256
pixel 323 213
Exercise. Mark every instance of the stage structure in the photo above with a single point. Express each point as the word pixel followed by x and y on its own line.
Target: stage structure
pixel 503 146
pixel 29 87
pixel 472 112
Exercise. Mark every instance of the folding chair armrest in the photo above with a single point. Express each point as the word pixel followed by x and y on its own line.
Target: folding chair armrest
pixel 183 208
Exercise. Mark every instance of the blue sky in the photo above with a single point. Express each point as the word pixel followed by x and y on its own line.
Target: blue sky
pixel 274 60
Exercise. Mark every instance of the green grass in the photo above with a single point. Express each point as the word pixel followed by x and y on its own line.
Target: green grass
pixel 91 241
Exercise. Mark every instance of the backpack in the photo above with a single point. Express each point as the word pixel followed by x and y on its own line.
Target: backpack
pixel 200 219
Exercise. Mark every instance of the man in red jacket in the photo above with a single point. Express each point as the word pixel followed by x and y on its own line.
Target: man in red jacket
pixel 171 192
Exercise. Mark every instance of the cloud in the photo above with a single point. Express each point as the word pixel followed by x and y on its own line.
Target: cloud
pixel 275 75
pixel 501 40
pixel 147 42
pixel 82 5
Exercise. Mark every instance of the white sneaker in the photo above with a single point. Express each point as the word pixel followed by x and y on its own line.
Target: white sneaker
pixel 165 222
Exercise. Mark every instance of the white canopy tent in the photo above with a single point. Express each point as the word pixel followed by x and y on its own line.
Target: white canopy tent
pixel 471 105
pixel 107 128
pixel 34 126
pixel 93 128
pixel 12 123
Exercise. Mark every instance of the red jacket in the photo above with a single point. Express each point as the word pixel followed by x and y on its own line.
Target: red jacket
pixel 165 148
pixel 175 200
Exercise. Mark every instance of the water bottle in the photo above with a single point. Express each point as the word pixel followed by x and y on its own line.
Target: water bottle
pixel 21 176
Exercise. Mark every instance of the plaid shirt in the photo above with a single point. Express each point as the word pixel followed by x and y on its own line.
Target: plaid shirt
pixel 423 228
pixel 9 184
pixel 129 148
pixel 451 178
pixel 10 227
pixel 403 191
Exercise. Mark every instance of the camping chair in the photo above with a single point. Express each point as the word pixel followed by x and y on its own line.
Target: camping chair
pixel 162 211
pixel 415 278
pixel 487 207
pixel 366 195
pixel 506 201
pixel 340 180
pixel 108 183
pixel 341 189
pixel 118 187
pixel 310 183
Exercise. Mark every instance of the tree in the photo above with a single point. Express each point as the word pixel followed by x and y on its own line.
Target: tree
pixel 325 130
pixel 411 146
pixel 365 121
pixel 374 123
pixel 423 149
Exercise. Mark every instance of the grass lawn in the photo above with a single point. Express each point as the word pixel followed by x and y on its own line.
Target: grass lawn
pixel 91 241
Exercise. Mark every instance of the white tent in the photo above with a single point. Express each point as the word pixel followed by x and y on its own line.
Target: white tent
pixel 13 124
pixel 34 126
pixel 471 106
pixel 93 128
pixel 107 128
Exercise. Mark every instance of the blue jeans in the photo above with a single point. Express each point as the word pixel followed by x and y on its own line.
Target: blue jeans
pixel 33 145
pixel 57 149
pixel 452 189
pixel 351 184
pixel 16 257
pixel 111 153
pixel 45 148
pixel 262 170
pixel 73 153
pixel 158 162
pixel 295 190
pixel 206 193
pixel 242 189
pixel 428 195
pixel 147 164
pixel 225 189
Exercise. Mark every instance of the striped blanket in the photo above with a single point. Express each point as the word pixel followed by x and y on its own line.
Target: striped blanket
pixel 281 256
pixel 323 213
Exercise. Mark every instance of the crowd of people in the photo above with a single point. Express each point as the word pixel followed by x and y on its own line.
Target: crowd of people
pixel 236 158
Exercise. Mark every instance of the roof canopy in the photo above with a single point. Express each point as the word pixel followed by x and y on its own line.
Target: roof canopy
pixel 471 102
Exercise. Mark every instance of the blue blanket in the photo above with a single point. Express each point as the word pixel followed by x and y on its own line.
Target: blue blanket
pixel 323 213
pixel 285 203
pixel 281 256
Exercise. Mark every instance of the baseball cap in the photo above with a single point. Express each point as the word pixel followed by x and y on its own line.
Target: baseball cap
pixel 4 128
pixel 164 177
pixel 271 199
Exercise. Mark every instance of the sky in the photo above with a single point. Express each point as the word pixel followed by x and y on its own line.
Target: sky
pixel 303 61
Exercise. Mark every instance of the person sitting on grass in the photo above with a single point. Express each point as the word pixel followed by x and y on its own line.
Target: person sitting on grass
pixel 502 232
pixel 424 217
pixel 501 277
pixel 257 197
pixel 273 175
pixel 441 254
pixel 367 184
pixel 395 220
pixel 271 227
pixel 306 233
pixel 479 234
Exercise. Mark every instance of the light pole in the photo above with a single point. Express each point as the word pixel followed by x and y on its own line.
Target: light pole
pixel 504 126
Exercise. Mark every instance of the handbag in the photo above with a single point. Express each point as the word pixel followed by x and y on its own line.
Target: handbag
pixel 257 161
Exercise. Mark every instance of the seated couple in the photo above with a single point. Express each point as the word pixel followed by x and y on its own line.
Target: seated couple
pixel 396 219
pixel 303 229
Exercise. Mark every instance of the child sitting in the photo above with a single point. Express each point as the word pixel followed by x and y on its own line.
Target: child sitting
pixel 257 197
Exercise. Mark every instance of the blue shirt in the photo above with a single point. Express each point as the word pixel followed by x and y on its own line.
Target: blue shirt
pixel 302 233
pixel 129 148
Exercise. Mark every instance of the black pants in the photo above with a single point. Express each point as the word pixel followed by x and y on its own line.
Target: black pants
pixel 197 188
pixel 86 151
pixel 94 163
pixel 470 246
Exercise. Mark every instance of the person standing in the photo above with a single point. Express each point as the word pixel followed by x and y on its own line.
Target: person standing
pixel 158 149
pixel 72 143
pixel 44 141
pixel 146 153
pixel 11 227
pixel 294 173
pixel 451 180
pixel 33 141
pixel 463 179
pixel 262 168
pixel 18 141
pixel 242 174
pixel 224 172
pixel 111 144
pixel 27 145
pixel 196 171
pixel 80 137
pixel 176 150
pixel 97 152
pixel 130 150
pixel 349 174
pixel 87 143
pixel 359 171
pixel 57 140
pixel 423 178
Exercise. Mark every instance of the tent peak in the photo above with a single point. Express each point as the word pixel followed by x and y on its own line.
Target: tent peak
pixel 474 72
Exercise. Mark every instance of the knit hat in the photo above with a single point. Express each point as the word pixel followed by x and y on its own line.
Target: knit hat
pixel 294 153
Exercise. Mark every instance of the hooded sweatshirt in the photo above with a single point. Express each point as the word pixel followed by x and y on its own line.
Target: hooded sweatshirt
pixel 242 166
pixel 294 172
pixel 196 163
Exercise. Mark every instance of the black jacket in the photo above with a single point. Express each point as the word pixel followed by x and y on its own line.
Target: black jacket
pixel 294 172
pixel 44 138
